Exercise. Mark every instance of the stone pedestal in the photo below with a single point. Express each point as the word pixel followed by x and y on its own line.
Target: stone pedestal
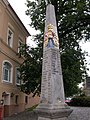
pixel 46 114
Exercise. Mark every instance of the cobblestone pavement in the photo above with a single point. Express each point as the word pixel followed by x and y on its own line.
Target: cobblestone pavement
pixel 79 113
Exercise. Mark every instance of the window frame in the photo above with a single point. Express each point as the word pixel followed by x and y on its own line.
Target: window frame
pixel 10 73
pixel 16 99
pixel 19 44
pixel 10 43
pixel 26 99
pixel 16 76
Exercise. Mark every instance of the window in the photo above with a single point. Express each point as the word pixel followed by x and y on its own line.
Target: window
pixel 7 71
pixel 10 37
pixel 17 76
pixel 19 44
pixel 26 99
pixel 16 99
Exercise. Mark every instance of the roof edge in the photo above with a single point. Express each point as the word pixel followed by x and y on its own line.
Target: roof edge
pixel 9 5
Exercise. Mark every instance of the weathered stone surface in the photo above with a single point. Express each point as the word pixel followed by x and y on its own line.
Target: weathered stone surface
pixel 52 106
pixel 88 82
pixel 41 118
pixel 50 18
pixel 53 114
pixel 52 83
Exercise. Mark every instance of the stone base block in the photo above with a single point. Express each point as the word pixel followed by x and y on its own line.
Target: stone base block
pixel 53 114
pixel 42 118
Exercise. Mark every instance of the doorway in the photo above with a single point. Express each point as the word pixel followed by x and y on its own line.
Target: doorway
pixel 6 104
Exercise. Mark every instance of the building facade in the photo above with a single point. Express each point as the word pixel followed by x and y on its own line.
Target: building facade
pixel 12 34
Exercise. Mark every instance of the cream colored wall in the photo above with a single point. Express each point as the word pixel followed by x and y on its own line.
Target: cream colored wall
pixel 17 32
pixel 9 54
pixel 2 10
pixel 4 85
pixel 6 20
pixel 32 101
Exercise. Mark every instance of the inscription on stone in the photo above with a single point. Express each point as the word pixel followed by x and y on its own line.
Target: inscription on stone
pixel 51 77
pixel 88 82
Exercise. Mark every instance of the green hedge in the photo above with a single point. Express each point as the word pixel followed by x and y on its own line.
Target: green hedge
pixel 80 101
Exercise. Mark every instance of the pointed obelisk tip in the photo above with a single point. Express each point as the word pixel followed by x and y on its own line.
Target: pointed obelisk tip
pixel 48 2
pixel 50 37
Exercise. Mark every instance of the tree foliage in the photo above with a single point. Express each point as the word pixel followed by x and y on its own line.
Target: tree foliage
pixel 73 24
pixel 30 69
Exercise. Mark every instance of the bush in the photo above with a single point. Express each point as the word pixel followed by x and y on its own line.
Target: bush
pixel 80 101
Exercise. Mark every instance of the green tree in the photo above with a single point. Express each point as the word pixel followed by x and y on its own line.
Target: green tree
pixel 73 23
pixel 30 69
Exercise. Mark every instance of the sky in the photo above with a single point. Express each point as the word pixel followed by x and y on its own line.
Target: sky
pixel 20 8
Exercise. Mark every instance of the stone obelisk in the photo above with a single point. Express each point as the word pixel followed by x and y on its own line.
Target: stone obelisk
pixel 52 104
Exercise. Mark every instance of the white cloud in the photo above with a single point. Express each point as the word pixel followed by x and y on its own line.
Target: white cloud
pixel 20 8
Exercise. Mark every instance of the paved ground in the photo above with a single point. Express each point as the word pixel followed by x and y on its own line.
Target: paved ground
pixel 79 113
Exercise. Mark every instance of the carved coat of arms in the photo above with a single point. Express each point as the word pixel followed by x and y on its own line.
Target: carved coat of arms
pixel 50 38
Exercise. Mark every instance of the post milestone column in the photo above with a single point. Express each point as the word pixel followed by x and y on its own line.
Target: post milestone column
pixel 52 102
